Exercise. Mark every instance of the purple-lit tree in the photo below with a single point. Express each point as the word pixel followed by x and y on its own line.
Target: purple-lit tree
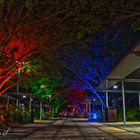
pixel 88 68
pixel 85 74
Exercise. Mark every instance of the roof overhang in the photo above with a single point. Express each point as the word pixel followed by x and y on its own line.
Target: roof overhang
pixel 128 65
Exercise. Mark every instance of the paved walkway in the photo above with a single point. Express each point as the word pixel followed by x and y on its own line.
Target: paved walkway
pixel 69 129
pixel 130 126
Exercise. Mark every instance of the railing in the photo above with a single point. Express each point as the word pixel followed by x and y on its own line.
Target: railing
pixel 4 129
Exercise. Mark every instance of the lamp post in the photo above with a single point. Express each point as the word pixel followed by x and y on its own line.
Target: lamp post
pixel 106 93
pixel 139 100
pixel 30 102
pixel 42 86
pixel 50 108
pixel 17 101
pixel 123 99
pixel 18 76
pixel 40 110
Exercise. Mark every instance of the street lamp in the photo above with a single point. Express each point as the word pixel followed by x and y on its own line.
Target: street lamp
pixel 17 101
pixel 40 110
pixel 18 76
pixel 42 86
pixel 50 109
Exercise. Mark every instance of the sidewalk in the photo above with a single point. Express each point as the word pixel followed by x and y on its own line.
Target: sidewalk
pixel 36 123
pixel 44 121
pixel 130 126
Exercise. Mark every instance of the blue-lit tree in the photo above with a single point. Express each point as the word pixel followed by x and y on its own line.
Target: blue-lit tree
pixel 90 67
pixel 85 73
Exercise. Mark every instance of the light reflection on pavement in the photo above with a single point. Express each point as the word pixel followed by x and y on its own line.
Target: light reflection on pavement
pixel 69 129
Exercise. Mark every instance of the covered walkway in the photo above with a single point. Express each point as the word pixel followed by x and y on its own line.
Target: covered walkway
pixel 124 79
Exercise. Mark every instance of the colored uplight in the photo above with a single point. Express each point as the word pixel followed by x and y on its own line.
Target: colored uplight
pixel 95 116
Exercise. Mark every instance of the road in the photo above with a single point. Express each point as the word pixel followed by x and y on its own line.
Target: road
pixel 69 129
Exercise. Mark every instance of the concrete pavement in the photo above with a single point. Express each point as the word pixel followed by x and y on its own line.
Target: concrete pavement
pixel 69 129
pixel 130 126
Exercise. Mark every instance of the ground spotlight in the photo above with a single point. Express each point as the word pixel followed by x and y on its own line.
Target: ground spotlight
pixel 95 116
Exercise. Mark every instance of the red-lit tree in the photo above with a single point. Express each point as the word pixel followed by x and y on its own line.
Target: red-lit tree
pixel 22 34
pixel 17 42
pixel 17 51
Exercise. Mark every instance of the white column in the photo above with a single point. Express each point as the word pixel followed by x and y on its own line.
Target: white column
pixel 40 110
pixel 123 98
pixel 139 99
pixel 106 93
pixel 17 102
pixel 50 105
pixel 30 103
pixel 89 107
pixel 18 80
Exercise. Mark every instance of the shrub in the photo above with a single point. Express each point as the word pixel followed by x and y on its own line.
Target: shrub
pixel 132 114
pixel 13 113
pixel 19 115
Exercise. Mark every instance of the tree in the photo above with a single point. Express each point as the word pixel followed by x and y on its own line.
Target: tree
pixel 80 70
pixel 17 51
pixel 51 22
pixel 88 68
pixel 19 40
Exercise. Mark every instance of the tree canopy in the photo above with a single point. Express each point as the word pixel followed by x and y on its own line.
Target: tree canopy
pixel 41 29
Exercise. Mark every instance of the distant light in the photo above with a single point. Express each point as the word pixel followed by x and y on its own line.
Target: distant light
pixel 50 96
pixel 93 116
pixel 31 100
pixel 24 96
pixel 42 86
pixel 94 99
pixel 115 86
